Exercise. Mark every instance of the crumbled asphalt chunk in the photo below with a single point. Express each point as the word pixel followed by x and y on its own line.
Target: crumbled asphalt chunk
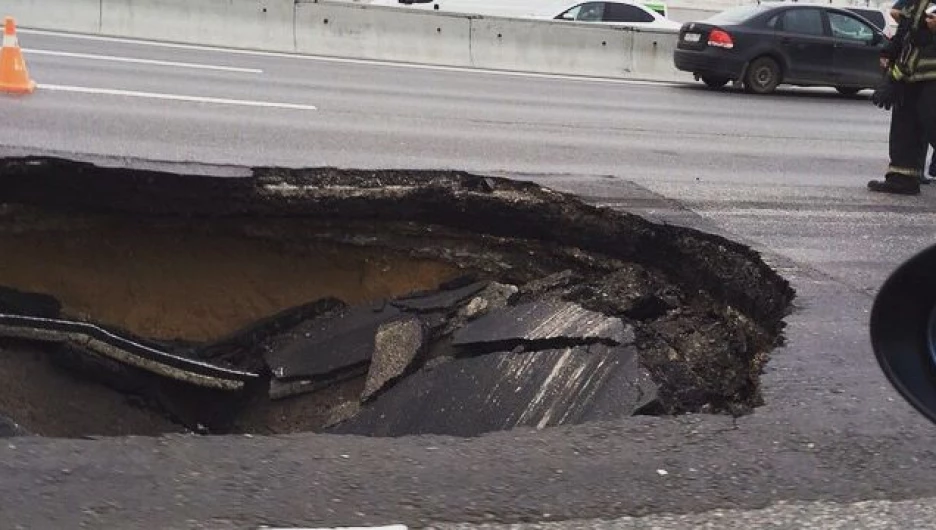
pixel 396 345
pixel 540 287
pixel 547 322
pixel 9 428
pixel 498 391
pixel 694 358
pixel 326 345
pixel 631 291
pixel 495 296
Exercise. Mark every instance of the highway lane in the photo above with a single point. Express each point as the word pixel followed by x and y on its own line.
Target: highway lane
pixel 386 116
pixel 790 156
pixel 785 173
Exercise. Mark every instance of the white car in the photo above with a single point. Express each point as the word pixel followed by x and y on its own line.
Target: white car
pixel 627 14
pixel 620 13
pixel 492 8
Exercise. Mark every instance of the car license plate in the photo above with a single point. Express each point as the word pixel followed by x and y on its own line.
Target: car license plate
pixel 692 37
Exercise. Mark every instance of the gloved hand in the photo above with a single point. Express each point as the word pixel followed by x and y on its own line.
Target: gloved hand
pixel 888 94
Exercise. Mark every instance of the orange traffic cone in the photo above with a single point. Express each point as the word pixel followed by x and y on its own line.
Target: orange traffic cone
pixel 13 75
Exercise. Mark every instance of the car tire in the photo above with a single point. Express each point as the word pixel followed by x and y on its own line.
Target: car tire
pixel 714 81
pixel 762 76
pixel 847 91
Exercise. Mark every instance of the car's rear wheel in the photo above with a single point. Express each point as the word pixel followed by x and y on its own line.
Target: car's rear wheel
pixel 762 76
pixel 713 81
pixel 847 91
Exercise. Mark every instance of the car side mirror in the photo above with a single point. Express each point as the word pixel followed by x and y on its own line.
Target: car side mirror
pixel 876 39
pixel 903 331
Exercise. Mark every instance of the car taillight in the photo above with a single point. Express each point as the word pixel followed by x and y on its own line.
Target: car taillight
pixel 720 39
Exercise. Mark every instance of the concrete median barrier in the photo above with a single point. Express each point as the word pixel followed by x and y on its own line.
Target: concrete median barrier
pixel 652 56
pixel 559 48
pixel 372 32
pixel 342 29
pixel 65 15
pixel 256 24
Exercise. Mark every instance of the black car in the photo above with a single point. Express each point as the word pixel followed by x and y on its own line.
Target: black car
pixel 764 46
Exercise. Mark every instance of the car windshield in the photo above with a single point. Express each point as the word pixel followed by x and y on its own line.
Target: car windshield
pixel 735 15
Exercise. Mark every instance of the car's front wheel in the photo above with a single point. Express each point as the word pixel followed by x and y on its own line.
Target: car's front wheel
pixel 762 76
pixel 714 81
pixel 847 91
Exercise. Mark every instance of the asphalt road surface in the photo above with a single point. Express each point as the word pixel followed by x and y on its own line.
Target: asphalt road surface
pixel 784 173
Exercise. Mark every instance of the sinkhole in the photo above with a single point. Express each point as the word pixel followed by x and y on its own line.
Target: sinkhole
pixel 142 301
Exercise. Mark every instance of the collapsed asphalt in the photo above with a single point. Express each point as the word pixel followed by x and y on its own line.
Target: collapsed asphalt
pixel 599 315
pixel 831 429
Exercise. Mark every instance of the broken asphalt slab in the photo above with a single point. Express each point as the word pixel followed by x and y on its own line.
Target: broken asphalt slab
pixel 326 345
pixel 501 391
pixel 542 322
pixel 9 428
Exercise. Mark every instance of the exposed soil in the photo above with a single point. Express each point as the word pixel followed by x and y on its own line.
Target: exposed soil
pixel 50 400
pixel 194 282
pixel 169 256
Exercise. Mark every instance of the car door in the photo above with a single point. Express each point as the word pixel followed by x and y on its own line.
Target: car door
pixel 857 48
pixel 804 41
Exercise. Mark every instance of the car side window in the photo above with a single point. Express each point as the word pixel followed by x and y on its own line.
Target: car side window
pixel 803 21
pixel 625 13
pixel 846 27
pixel 570 13
pixel 588 12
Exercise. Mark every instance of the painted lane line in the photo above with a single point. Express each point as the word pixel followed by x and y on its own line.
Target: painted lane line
pixel 346 60
pixel 115 58
pixel 391 527
pixel 174 97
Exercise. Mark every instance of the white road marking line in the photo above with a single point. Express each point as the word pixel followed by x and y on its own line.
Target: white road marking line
pixel 174 97
pixel 115 58
pixel 391 527
pixel 344 60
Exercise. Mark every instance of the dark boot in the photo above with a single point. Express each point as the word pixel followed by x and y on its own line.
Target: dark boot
pixel 896 183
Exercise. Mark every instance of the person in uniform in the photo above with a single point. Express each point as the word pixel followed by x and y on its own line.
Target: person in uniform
pixel 909 88
pixel 897 13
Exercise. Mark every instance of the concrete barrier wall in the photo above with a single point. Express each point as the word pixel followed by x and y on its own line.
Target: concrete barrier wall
pixel 652 56
pixel 342 29
pixel 561 48
pixel 65 15
pixel 257 24
pixel 384 33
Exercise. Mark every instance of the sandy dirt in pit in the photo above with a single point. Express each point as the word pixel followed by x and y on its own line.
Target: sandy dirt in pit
pixel 194 286
pixel 46 400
